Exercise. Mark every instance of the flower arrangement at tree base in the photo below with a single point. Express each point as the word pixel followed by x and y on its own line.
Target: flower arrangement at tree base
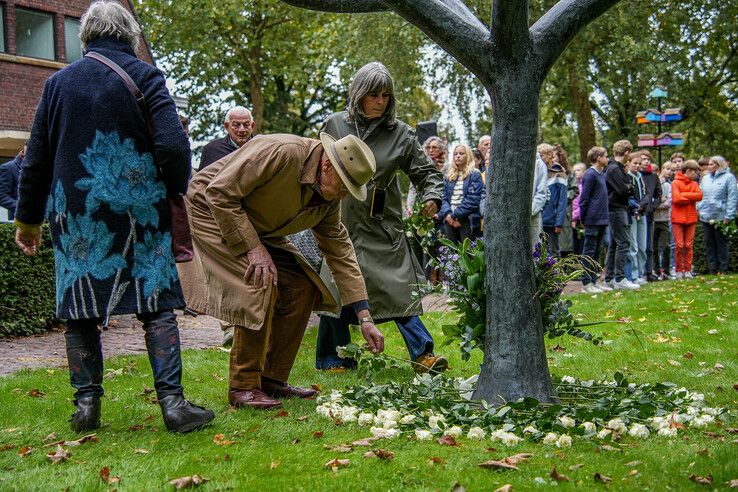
pixel 433 406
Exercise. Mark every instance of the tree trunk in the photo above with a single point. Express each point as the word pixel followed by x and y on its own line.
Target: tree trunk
pixel 585 122
pixel 515 363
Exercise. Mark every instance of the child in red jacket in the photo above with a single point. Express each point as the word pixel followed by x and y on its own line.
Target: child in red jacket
pixel 685 193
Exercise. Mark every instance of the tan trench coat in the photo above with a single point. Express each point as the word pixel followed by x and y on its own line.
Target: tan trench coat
pixel 258 195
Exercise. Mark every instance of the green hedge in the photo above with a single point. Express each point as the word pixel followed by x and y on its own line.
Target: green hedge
pixel 700 259
pixel 27 291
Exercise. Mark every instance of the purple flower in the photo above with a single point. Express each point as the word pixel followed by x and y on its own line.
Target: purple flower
pixel 550 261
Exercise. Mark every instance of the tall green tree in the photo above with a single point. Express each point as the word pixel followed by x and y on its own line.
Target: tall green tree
pixel 288 66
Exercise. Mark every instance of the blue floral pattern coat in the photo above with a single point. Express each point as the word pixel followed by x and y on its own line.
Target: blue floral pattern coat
pixel 92 171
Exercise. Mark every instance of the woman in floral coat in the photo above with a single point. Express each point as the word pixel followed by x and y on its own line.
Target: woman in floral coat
pixel 92 156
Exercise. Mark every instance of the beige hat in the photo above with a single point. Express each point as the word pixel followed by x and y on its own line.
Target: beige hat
pixel 353 160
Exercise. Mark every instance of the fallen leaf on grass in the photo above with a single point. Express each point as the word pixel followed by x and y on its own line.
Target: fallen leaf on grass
pixel 733 484
pixel 146 391
pixel 732 430
pixel 220 440
pixel 703 452
pixel 280 414
pixel 316 387
pixel 688 355
pixel 274 465
pixel 701 480
pixel 339 448
pixel 36 393
pixel 140 451
pixel 576 467
pixel 317 434
pixel 105 476
pixel 505 488
pixel 295 441
pixel 599 477
pixel 336 463
pixel 712 332
pixel 559 348
pixel 24 451
pixel 137 427
pixel 633 472
pixel 50 437
pixel 58 456
pixel 517 458
pixel 674 362
pixel 188 482
pixel 715 436
pixel 447 441
pixel 735 386
pixel 558 476
pixel 365 443
pixel 497 465
pixel 435 460
pixel 382 454
pixel 302 418
pixel 718 367
pixel 82 440
pixel 5 447
pixel 624 319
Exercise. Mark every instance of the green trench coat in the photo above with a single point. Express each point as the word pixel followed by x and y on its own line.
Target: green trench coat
pixel 390 269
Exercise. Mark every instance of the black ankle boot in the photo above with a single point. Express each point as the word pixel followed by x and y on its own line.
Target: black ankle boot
pixel 87 416
pixel 182 416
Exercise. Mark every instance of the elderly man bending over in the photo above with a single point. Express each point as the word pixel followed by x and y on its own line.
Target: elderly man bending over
pixel 241 208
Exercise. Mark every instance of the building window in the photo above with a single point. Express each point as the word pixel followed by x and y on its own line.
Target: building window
pixel 34 34
pixel 71 39
pixel 2 27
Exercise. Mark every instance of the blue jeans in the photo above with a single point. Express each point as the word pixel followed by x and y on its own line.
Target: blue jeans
pixel 85 357
pixel 334 332
pixel 637 250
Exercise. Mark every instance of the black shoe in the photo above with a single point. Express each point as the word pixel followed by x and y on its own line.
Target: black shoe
pixel 181 415
pixel 87 416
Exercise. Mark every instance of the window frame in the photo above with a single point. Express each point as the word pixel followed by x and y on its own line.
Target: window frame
pixel 52 15
pixel 81 48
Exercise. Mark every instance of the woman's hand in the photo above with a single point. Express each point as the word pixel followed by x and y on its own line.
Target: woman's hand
pixel 430 208
pixel 261 271
pixel 29 240
pixel 449 220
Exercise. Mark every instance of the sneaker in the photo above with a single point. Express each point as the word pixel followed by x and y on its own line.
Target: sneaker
pixel 604 286
pixel 591 289
pixel 639 281
pixel 429 363
pixel 688 275
pixel 679 275
pixel 625 284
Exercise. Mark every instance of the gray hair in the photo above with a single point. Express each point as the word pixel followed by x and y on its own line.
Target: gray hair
pixel 236 109
pixel 720 161
pixel 106 18
pixel 372 77
pixel 432 139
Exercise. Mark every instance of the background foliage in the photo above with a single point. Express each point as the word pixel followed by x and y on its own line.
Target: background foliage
pixel 27 285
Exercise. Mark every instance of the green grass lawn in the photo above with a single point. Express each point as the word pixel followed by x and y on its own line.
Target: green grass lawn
pixel 660 333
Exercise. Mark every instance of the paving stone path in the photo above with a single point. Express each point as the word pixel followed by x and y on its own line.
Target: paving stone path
pixel 125 337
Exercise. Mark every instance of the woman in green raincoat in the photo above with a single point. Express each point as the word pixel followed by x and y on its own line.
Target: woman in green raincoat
pixel 390 269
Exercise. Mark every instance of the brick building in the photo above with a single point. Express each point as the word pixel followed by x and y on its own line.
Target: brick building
pixel 37 38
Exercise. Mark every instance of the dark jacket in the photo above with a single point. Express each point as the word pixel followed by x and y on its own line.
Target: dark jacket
pixel 91 151
pixel 468 209
pixel 9 176
pixel 215 150
pixel 593 207
pixel 652 197
pixel 619 185
pixel 554 212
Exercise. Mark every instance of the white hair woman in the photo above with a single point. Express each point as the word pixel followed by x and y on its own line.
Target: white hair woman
pixel 718 206
pixel 391 270
pixel 92 158
pixel 462 193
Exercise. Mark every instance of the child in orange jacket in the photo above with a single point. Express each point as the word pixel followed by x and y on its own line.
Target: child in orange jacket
pixel 685 193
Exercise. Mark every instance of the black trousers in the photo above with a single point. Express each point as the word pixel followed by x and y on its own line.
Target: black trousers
pixel 617 252
pixel 593 237
pixel 649 246
pixel 716 249
pixel 85 357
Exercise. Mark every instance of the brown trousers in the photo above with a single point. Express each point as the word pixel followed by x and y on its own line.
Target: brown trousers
pixel 271 351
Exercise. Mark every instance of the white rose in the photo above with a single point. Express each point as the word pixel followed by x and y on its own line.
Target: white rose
pixel 383 433
pixel 530 430
pixel 323 410
pixel 510 439
pixel 590 429
pixel 550 438
pixel 568 380
pixel 702 421
pixel 336 395
pixel 476 433
pixel 638 430
pixel 692 411
pixel 423 435
pixel 567 422
pixel 617 425
pixel 454 431
pixel 698 396
pixel 390 424
pixel 659 422
pixel 407 419
pixel 435 421
pixel 365 418
pixel 604 433
pixel 564 441
pixel 667 432
pixel 712 411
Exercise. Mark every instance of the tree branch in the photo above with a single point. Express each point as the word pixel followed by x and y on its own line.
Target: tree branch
pixel 557 27
pixel 453 26
pixel 509 32
pixel 340 6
